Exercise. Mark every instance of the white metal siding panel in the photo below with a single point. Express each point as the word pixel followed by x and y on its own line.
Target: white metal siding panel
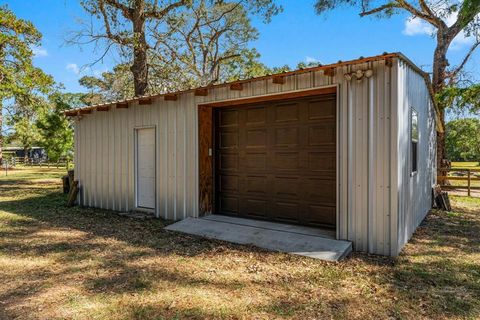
pixel 414 195
pixel 367 146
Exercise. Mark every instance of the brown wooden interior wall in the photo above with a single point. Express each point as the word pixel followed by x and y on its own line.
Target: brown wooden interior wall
pixel 205 133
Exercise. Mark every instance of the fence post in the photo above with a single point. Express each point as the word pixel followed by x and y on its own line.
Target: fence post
pixel 469 175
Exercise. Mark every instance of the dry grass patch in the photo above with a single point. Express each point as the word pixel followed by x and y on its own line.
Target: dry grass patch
pixel 73 263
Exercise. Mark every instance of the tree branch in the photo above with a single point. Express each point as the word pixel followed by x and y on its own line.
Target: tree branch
pixel 162 13
pixel 126 11
pixel 453 74
pixel 389 5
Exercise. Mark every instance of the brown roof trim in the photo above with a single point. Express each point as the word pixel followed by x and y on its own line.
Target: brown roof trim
pixel 238 83
pixel 272 97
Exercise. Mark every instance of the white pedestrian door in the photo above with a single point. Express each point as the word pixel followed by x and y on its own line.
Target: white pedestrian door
pixel 145 168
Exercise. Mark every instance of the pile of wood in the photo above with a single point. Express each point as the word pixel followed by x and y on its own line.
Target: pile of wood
pixel 441 200
pixel 70 186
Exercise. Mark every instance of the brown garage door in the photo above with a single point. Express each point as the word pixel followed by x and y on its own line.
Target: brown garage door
pixel 276 161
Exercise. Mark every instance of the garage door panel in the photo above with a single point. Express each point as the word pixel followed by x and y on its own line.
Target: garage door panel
pixel 228 140
pixel 283 165
pixel 286 211
pixel 286 187
pixel 321 134
pixel 286 137
pixel 322 163
pixel 256 185
pixel 256 116
pixel 322 109
pixel 229 204
pixel 228 161
pixel 256 161
pixel 320 191
pixel 228 183
pixel 256 138
pixel 287 112
pixel 320 215
pixel 229 118
pixel 254 207
pixel 286 160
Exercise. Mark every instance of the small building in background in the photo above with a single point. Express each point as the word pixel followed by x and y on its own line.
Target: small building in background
pixel 34 154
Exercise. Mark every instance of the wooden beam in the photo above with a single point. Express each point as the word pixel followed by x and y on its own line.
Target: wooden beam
pixel 71 113
pixel 145 101
pixel 389 62
pixel 329 72
pixel 236 86
pixel 202 92
pixel 170 97
pixel 274 97
pixel 103 108
pixel 122 105
pixel 278 79
pixel 85 111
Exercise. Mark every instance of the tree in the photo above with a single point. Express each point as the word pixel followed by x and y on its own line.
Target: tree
pixel 248 65
pixel 206 36
pixel 463 139
pixel 21 118
pixel 18 77
pixel 180 43
pixel 466 19
pixel 464 97
pixel 125 24
pixel 55 129
pixel 110 86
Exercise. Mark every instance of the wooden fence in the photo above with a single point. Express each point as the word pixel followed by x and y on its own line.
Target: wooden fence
pixel 468 175
pixel 38 162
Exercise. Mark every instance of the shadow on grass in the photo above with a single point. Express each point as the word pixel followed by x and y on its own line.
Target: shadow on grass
pixel 435 277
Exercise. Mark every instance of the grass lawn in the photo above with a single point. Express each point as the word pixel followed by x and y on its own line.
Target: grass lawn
pixel 466 165
pixel 73 263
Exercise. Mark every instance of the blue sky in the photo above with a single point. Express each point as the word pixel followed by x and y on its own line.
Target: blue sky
pixel 297 34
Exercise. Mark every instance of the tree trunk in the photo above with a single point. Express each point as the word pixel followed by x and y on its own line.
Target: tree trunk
pixel 139 67
pixel 440 64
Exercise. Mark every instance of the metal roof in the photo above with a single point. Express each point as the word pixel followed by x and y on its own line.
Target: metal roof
pixel 383 56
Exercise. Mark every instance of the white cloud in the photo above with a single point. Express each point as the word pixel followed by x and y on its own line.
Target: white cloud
pixel 311 60
pixel 73 67
pixel 415 26
pixel 39 52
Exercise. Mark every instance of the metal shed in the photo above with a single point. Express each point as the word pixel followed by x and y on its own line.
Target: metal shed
pixel 348 146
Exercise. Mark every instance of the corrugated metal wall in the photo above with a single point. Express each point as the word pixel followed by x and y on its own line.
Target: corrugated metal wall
pixel 366 169
pixel 414 190
pixel 105 156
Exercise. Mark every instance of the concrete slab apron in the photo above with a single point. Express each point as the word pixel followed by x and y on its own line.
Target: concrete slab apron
pixel 267 237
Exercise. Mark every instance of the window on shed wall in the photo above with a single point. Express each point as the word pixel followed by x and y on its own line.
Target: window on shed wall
pixel 414 139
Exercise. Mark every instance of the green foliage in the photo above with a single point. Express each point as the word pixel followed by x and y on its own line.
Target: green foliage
pixel 463 139
pixel 55 129
pixel 22 120
pixel 247 65
pixel 20 80
pixel 18 76
pixel 110 86
pixel 461 99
